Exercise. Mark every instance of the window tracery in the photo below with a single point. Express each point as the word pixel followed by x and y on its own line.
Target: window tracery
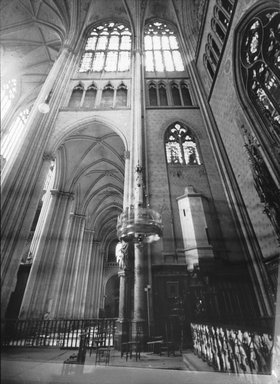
pixel 121 97
pixel 259 77
pixel 260 68
pixel 161 48
pixel 108 48
pixel 180 146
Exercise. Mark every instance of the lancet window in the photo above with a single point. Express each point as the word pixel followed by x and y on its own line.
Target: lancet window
pixel 181 146
pixel 162 53
pixel 108 48
pixel 222 14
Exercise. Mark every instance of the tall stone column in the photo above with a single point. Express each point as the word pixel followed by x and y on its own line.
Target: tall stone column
pixel 21 176
pixel 79 304
pixel 138 329
pixel 69 286
pixel 93 287
pixel 41 290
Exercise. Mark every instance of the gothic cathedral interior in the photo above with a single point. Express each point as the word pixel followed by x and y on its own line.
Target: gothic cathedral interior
pixel 140 165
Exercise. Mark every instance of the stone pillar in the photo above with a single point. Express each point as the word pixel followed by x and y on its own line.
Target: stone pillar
pixel 139 328
pixel 93 284
pixel 21 176
pixel 42 290
pixel 83 275
pixel 72 256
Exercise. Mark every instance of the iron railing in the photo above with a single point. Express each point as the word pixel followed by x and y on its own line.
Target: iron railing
pixel 57 333
pixel 229 349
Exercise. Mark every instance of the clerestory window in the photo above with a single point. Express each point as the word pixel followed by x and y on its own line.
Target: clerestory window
pixel 180 145
pixel 161 46
pixel 108 48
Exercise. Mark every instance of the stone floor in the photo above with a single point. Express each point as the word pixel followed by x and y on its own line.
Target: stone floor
pixel 46 365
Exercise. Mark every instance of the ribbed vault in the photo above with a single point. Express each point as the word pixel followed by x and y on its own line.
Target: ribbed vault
pixel 90 164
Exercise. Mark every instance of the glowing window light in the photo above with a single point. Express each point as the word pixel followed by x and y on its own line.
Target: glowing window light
pixel 108 48
pixel 161 49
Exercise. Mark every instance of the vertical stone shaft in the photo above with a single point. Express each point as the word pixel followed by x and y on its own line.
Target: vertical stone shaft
pixel 40 291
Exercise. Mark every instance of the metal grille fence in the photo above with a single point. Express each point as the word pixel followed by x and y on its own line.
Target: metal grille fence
pixel 56 333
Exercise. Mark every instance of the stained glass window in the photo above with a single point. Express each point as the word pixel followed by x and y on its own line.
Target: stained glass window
pixel 161 48
pixel 8 93
pixel 260 68
pixel 108 48
pixel 180 146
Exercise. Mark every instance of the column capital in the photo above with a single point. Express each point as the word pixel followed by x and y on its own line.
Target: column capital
pixel 56 192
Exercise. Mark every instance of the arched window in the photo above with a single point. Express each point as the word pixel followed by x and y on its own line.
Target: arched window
pixel 90 97
pixel 258 81
pixel 162 94
pixel 108 48
pixel 212 43
pixel 185 94
pixel 224 22
pixel 226 5
pixel 121 99
pixel 107 96
pixel 161 48
pixel 180 145
pixel 8 93
pixel 218 30
pixel 208 66
pixel 175 94
pixel 153 94
pixel 76 97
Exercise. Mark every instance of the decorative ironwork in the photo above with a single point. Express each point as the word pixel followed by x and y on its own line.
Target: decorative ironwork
pixel 139 225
